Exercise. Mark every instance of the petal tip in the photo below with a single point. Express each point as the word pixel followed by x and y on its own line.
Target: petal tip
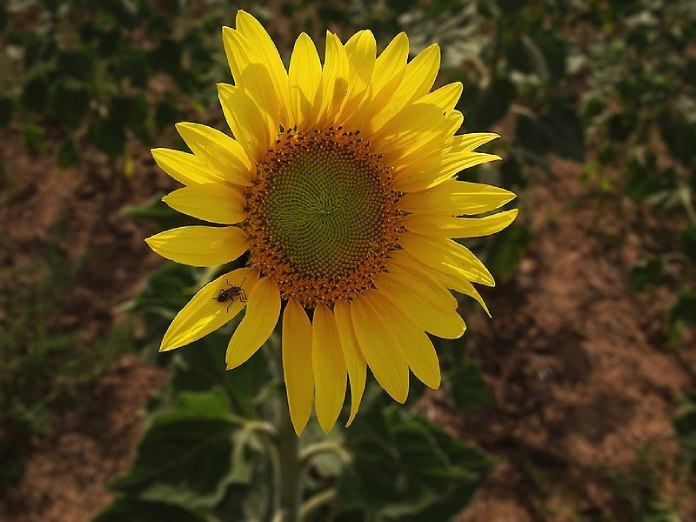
pixel 298 429
pixel 326 427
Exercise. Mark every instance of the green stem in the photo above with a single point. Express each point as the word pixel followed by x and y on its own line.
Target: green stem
pixel 287 465
pixel 289 469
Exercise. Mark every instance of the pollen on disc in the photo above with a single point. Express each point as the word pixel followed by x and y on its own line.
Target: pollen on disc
pixel 323 215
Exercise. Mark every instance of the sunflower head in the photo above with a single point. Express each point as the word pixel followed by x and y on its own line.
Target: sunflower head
pixel 339 184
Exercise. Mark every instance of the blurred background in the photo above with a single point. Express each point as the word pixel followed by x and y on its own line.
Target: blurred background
pixel 576 401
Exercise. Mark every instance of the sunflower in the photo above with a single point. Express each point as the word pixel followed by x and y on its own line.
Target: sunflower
pixel 339 185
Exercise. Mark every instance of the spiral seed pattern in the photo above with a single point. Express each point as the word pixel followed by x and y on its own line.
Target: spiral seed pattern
pixel 322 215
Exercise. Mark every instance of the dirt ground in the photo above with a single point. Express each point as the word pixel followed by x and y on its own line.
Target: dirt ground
pixel 582 378
pixel 67 470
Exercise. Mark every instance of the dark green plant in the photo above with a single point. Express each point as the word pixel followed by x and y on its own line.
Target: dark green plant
pixel 82 71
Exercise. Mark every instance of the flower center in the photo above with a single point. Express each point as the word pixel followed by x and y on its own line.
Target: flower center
pixel 322 215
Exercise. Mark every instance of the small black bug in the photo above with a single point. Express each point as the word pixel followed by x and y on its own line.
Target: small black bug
pixel 229 294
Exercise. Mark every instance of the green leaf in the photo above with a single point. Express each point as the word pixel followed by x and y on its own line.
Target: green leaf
pixel 130 63
pixel 512 172
pixel 463 380
pixel 606 154
pixel 507 250
pixel 6 107
pixel 168 288
pixel 68 154
pixel 34 137
pixel 555 50
pixel 645 273
pixel 202 366
pixel 135 510
pixel 557 130
pixel 129 110
pixel 483 108
pixel 108 135
pixel 688 239
pixel 132 112
pixel 35 94
pixel 645 179
pixel 167 113
pixel 621 125
pixel 78 64
pixel 185 456
pixel 679 134
pixel 408 469
pixel 68 106
pixel 167 57
pixel 593 107
pixel 156 211
pixel 683 311
pixel 685 427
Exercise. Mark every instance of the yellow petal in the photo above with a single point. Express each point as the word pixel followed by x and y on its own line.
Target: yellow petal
pixel 461 284
pixel 447 226
pixel 355 362
pixel 417 80
pixel 329 368
pixel 388 71
pixel 304 82
pixel 391 63
pixel 361 50
pixel 471 141
pixel 297 364
pixel 377 345
pixel 200 245
pixel 204 314
pixel 446 97
pixel 254 32
pixel 334 79
pixel 252 75
pixel 422 304
pixel 263 308
pixel 455 198
pixel 246 121
pixel 419 125
pixel 401 263
pixel 451 164
pixel 446 255
pixel 439 104
pixel 218 151
pixel 420 74
pixel 210 202
pixel 455 119
pixel 416 347
pixel 422 127
pixel 186 168
pixel 425 158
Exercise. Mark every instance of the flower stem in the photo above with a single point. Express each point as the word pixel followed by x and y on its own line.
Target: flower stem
pixel 287 465
pixel 289 469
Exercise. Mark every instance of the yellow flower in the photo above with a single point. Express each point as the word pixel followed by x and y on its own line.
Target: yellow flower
pixel 339 185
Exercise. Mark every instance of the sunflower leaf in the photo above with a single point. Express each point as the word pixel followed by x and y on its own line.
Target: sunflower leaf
pixel 406 468
pixel 136 510
pixel 185 457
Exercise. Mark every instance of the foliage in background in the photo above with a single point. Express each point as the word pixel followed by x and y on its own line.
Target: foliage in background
pixel 610 84
pixel 104 74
